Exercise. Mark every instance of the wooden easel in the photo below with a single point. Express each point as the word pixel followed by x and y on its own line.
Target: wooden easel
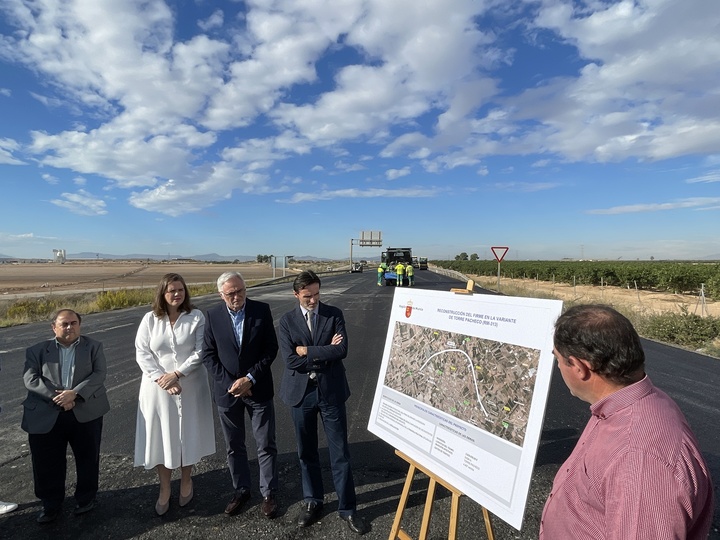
pixel 396 532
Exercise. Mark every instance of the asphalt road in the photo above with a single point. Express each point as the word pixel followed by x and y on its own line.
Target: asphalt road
pixel 128 494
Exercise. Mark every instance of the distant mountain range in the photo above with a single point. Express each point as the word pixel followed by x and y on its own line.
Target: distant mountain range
pixel 209 257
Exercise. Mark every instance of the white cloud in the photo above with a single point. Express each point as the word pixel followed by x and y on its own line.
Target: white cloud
pixel 362 194
pixel 449 161
pixel 700 203
pixel 7 149
pixel 348 167
pixel 631 99
pixel 23 237
pixel 55 103
pixel 525 187
pixel 82 203
pixel 175 199
pixel 712 176
pixel 394 174
pixel 213 21
pixel 50 179
pixel 283 43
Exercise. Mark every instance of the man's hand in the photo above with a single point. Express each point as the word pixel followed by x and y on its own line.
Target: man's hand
pixel 241 387
pixel 336 340
pixel 301 350
pixel 174 389
pixel 65 399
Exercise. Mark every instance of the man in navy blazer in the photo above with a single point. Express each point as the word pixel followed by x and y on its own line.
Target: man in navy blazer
pixel 313 343
pixel 239 348
pixel 65 404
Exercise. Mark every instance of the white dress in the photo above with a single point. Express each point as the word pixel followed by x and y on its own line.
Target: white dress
pixel 177 430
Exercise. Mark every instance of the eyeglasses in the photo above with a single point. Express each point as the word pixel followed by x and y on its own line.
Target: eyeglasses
pixel 236 292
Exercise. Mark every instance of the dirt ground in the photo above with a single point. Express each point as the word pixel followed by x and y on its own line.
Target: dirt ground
pixel 75 276
pixel 645 302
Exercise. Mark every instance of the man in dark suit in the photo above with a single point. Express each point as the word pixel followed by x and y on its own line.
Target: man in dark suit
pixel 6 507
pixel 313 343
pixel 65 405
pixel 239 348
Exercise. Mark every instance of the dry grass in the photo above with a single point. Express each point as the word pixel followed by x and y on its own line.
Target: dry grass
pixel 640 302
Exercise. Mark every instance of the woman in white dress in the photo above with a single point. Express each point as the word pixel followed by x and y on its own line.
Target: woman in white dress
pixel 175 425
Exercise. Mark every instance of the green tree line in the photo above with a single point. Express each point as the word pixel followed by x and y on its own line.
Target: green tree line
pixel 676 277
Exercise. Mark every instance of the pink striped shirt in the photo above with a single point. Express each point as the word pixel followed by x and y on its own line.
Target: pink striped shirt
pixel 635 473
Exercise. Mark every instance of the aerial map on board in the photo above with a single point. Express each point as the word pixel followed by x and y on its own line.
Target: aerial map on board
pixel 482 382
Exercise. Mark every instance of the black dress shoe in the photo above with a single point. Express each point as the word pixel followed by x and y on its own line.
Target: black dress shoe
pixel 309 514
pixel 355 523
pixel 47 516
pixel 237 502
pixel 80 510
pixel 269 506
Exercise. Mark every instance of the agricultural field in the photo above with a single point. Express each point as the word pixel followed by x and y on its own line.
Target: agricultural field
pixel 73 276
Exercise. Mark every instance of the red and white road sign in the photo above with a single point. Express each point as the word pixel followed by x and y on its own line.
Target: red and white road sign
pixel 499 252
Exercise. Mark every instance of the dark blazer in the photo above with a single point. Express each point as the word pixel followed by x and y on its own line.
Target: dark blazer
pixel 325 359
pixel 226 363
pixel 42 377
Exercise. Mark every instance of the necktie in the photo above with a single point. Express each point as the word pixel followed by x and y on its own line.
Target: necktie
pixel 309 316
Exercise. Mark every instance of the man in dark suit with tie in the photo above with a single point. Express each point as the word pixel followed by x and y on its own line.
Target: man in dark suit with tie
pixel 65 404
pixel 313 343
pixel 239 348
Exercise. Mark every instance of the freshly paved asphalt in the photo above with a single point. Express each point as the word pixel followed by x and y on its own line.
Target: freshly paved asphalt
pixel 127 496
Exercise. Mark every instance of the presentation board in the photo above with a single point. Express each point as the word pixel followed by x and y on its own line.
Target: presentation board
pixel 462 390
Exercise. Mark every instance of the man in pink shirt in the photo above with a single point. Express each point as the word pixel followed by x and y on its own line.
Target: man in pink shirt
pixel 636 471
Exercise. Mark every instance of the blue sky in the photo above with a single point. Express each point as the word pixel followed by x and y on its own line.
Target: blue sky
pixel 557 128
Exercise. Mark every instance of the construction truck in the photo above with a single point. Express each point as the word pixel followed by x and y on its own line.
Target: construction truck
pixel 390 258
pixel 422 263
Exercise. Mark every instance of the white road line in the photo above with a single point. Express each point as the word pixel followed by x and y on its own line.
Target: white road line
pixel 111 328
pixel 131 381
